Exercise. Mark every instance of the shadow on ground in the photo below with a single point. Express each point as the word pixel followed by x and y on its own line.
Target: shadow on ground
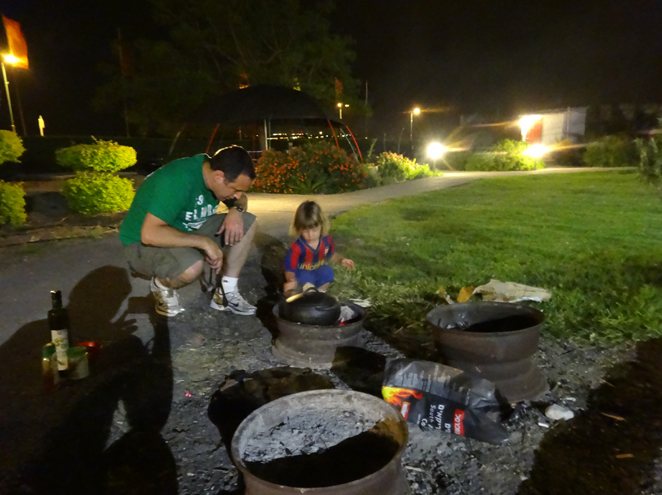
pixel 67 440
pixel 605 450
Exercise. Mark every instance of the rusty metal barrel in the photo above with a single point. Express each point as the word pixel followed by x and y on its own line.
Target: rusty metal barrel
pixel 322 442
pixel 493 340
pixel 314 346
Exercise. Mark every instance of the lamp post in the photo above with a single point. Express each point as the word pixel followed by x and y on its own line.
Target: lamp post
pixel 9 59
pixel 414 111
pixel 340 106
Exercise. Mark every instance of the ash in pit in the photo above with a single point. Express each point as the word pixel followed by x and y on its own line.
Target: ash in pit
pixel 317 450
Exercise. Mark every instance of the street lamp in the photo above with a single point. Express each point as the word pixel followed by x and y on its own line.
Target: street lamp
pixel 435 150
pixel 10 59
pixel 414 111
pixel 340 107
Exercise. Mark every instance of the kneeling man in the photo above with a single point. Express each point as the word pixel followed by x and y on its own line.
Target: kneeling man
pixel 173 228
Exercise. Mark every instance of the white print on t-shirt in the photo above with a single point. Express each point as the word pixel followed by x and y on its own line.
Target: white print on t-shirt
pixel 200 200
pixel 194 219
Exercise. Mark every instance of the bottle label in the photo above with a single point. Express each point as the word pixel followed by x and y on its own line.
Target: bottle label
pixel 60 339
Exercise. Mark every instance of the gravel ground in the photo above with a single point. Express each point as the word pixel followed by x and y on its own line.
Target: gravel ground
pixel 434 462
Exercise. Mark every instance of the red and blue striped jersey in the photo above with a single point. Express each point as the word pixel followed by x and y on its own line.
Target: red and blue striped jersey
pixel 301 256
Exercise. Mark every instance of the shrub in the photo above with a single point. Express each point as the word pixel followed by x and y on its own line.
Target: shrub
pixel 567 153
pixel 506 155
pixel 393 167
pixel 325 162
pixel 315 167
pixel 275 171
pixel 456 160
pixel 102 156
pixel 12 204
pixel 92 193
pixel 650 159
pixel 610 151
pixel 11 147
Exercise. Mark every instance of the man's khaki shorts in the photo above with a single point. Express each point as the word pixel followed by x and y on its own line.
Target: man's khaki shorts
pixel 171 262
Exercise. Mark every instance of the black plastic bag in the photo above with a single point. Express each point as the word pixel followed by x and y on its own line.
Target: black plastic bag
pixel 438 397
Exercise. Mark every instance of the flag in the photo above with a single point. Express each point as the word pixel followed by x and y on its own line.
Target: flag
pixel 16 43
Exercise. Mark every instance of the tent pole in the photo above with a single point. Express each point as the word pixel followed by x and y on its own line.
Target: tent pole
pixel 266 140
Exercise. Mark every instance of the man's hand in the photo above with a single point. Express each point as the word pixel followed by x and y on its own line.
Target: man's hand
pixel 232 228
pixel 213 255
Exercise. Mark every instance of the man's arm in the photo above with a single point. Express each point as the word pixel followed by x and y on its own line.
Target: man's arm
pixel 232 228
pixel 156 232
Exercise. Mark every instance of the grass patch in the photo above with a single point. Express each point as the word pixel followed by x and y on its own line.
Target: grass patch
pixel 594 240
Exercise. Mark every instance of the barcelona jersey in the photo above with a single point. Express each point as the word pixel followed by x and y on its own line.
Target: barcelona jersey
pixel 301 256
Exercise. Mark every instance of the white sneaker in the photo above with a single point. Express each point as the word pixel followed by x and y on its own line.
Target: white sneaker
pixel 166 300
pixel 233 302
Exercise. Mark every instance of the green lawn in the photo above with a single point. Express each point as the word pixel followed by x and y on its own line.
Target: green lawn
pixel 593 239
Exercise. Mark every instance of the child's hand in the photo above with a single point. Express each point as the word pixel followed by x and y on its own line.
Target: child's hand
pixel 347 263
pixel 289 287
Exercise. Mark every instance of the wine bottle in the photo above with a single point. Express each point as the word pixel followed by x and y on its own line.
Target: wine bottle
pixel 58 322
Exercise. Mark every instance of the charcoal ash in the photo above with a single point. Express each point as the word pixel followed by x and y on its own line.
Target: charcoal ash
pixel 305 433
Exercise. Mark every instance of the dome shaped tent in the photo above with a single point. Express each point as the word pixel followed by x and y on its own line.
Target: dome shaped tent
pixel 267 117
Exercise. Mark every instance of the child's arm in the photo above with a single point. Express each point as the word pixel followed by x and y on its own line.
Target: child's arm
pixel 291 262
pixel 336 258
pixel 344 262
pixel 290 282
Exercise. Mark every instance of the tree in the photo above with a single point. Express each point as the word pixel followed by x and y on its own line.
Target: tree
pixel 218 45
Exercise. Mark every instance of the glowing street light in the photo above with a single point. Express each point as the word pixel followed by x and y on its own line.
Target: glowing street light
pixel 436 150
pixel 536 150
pixel 340 106
pixel 414 111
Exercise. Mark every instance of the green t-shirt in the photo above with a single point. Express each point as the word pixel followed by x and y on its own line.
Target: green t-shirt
pixel 175 193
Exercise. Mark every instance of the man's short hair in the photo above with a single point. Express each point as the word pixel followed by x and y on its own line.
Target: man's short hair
pixel 233 161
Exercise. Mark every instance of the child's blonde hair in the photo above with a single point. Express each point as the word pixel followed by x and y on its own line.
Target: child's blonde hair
pixel 308 216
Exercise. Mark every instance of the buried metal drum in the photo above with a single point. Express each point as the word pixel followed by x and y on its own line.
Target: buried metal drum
pixel 322 442
pixel 493 340
pixel 314 346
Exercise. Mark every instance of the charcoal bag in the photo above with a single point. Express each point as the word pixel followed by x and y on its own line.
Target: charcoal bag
pixel 438 397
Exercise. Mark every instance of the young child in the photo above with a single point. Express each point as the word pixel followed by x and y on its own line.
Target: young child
pixel 308 260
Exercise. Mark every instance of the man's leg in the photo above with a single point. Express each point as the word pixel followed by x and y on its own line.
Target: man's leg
pixel 169 269
pixel 227 297
pixel 191 274
pixel 238 254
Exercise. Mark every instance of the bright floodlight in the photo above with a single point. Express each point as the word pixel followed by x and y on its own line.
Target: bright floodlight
pixel 536 151
pixel 435 150
pixel 416 110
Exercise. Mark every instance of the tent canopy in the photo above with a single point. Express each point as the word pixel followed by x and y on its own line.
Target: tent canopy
pixel 261 102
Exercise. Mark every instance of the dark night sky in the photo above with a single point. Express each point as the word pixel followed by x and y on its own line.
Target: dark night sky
pixel 471 56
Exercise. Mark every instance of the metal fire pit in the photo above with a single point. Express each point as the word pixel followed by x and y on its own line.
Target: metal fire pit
pixel 493 340
pixel 314 346
pixel 322 442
